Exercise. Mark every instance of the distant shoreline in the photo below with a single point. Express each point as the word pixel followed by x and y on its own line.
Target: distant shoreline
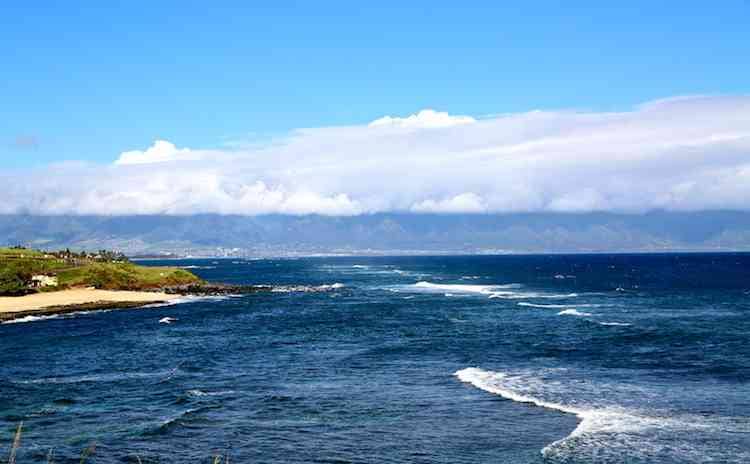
pixel 76 300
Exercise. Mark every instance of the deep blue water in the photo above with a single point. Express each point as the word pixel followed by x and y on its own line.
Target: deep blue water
pixel 506 359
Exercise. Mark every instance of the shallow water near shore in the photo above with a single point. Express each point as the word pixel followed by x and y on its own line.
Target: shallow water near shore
pixel 508 359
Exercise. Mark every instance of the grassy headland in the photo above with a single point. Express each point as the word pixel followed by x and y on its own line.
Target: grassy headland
pixel 21 270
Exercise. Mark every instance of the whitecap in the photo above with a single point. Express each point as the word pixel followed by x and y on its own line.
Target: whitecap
pixel 572 312
pixel 618 324
pixel 489 290
pixel 57 316
pixel 307 288
pixel 504 291
pixel 21 320
pixel 189 299
pixel 545 306
pixel 200 393
pixel 108 377
pixel 608 431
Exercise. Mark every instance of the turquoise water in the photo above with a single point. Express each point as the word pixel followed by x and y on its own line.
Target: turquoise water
pixel 507 359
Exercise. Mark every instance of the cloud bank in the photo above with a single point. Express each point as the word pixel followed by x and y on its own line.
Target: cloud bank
pixel 688 153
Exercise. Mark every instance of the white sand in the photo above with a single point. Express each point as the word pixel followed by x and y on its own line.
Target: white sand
pixel 38 301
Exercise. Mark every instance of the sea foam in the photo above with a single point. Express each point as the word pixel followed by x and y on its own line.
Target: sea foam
pixel 21 320
pixel 504 291
pixel 573 312
pixel 608 431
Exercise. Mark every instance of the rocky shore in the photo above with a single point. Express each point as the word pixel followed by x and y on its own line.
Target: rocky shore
pixel 89 299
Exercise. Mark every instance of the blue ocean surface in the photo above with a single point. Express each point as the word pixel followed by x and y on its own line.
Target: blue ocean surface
pixel 479 359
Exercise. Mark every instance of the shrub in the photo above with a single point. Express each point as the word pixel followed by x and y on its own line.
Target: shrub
pixel 14 281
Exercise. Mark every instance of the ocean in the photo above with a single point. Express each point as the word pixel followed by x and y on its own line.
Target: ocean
pixel 472 359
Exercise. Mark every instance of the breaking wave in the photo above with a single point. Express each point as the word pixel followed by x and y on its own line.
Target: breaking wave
pixel 557 306
pixel 108 377
pixel 366 269
pixel 572 312
pixel 190 299
pixel 505 291
pixel 21 320
pixel 307 288
pixel 545 306
pixel 606 431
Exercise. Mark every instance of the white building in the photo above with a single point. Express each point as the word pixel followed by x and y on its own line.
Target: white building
pixel 39 281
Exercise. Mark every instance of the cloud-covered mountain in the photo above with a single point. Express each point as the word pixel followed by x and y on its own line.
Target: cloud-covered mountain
pixel 386 232
pixel 682 154
pixel 668 175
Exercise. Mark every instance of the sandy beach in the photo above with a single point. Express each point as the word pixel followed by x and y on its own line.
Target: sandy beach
pixel 43 302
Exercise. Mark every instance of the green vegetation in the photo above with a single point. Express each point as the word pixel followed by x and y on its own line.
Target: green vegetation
pixel 103 270
pixel 124 276
pixel 14 281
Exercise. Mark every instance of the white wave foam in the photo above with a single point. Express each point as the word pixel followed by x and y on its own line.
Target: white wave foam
pixel 619 324
pixel 57 316
pixel 504 291
pixel 109 377
pixel 545 306
pixel 512 389
pixel 607 431
pixel 489 290
pixel 464 287
pixel 197 267
pixel 523 295
pixel 572 312
pixel 307 288
pixel 21 320
pixel 367 269
pixel 557 306
pixel 190 299
pixel 332 286
pixel 167 320
pixel 199 393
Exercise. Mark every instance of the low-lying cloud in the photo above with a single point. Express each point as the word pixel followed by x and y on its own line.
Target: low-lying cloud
pixel 674 154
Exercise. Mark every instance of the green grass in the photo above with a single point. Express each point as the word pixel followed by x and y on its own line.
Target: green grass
pixel 31 261
pixel 26 252
pixel 17 267
pixel 124 276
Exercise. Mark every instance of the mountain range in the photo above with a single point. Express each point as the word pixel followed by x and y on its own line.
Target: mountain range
pixel 279 235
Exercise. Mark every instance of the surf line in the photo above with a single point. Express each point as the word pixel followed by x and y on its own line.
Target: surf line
pixel 491 382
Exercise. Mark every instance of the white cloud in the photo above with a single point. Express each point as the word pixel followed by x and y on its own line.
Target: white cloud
pixel 159 152
pixel 423 120
pixel 675 154
pixel 463 203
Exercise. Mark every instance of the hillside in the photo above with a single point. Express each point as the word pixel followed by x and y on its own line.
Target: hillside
pixel 24 271
pixel 276 235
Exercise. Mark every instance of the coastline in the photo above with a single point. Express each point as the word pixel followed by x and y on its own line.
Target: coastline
pixel 77 300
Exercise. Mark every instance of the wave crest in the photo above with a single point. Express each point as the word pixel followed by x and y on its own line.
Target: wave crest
pixel 610 432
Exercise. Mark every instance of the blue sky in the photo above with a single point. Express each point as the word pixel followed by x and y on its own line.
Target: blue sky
pixel 84 81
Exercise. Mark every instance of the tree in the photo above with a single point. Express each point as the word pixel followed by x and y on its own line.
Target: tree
pixel 14 282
